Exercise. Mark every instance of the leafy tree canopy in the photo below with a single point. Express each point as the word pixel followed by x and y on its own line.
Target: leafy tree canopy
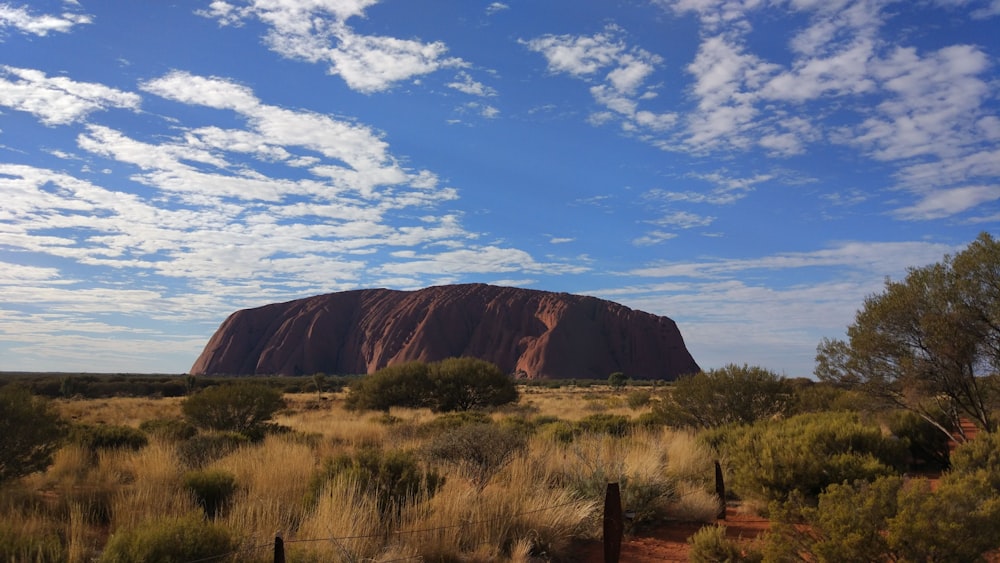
pixel 929 343
pixel 455 384
pixel 729 395
pixel 30 431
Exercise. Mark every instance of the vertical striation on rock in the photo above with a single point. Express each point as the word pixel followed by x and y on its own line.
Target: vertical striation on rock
pixel 537 334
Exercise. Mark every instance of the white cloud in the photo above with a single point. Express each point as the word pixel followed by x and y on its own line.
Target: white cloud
pixel 23 20
pixel 496 7
pixel 948 202
pixel 585 57
pixel 317 31
pixel 882 258
pixel 466 84
pixel 58 100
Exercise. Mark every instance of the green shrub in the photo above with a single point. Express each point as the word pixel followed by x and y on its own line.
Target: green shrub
pixel 478 450
pixel 109 437
pixel 171 429
pixel 730 395
pixel 30 432
pixel 212 488
pixel 890 520
pixel 928 446
pixel 462 384
pixel 393 477
pixel 710 545
pixel 638 398
pixel 239 407
pixel 806 453
pixel 455 384
pixel 170 540
pixel 400 385
pixel 205 448
pixel 603 423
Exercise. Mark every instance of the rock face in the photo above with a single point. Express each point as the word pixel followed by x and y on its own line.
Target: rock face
pixel 535 334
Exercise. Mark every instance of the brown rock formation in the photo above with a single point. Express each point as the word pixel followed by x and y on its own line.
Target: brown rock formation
pixel 534 333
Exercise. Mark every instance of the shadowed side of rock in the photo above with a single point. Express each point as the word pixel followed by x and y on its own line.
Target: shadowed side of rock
pixel 536 333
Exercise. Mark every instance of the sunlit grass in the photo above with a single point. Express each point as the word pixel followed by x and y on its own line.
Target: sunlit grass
pixel 532 507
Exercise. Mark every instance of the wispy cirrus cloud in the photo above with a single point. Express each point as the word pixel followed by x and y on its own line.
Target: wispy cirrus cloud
pixel 27 21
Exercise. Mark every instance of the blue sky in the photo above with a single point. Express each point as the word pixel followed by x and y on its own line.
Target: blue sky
pixel 750 168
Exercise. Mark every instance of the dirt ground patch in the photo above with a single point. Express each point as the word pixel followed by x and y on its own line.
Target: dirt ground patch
pixel 667 542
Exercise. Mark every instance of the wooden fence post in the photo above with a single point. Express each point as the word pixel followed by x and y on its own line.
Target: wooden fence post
pixel 614 525
pixel 279 549
pixel 720 489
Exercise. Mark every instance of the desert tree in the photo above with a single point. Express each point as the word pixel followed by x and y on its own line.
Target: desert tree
pixel 30 432
pixel 929 343
pixel 244 408
pixel 732 394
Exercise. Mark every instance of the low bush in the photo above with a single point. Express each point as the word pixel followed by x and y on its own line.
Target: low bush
pixel 890 519
pixel 392 477
pixel 30 432
pixel 171 429
pixel 201 449
pixel 710 545
pixel 805 454
pixel 603 423
pixel 478 450
pixel 109 437
pixel 928 446
pixel 729 395
pixel 455 384
pixel 170 540
pixel 638 399
pixel 240 407
pixel 212 488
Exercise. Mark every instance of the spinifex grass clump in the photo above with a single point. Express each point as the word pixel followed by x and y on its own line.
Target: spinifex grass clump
pixel 213 489
pixel 175 538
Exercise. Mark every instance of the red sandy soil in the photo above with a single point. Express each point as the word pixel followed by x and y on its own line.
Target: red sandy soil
pixel 668 541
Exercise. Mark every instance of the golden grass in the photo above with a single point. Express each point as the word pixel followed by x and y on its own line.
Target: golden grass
pixel 119 411
pixel 534 506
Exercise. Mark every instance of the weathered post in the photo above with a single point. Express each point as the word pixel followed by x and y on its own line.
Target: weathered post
pixel 279 549
pixel 720 489
pixel 614 525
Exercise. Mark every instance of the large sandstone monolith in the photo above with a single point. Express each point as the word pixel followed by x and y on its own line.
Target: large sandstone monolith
pixel 535 334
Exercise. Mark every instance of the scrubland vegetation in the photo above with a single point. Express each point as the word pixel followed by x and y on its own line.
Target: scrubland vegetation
pixel 427 463
pixel 131 476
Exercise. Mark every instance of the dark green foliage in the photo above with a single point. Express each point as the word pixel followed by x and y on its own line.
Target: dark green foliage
pixel 461 384
pixel 479 450
pixel 929 447
pixel 729 395
pixel 169 428
pixel 980 456
pixel 710 545
pixel 205 448
pixel 603 423
pixel 393 476
pixel 400 385
pixel 455 384
pixel 171 540
pixel 805 454
pixel 638 399
pixel 891 520
pixel 212 488
pixel 238 407
pixel 108 437
pixel 617 380
pixel 928 343
pixel 30 431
